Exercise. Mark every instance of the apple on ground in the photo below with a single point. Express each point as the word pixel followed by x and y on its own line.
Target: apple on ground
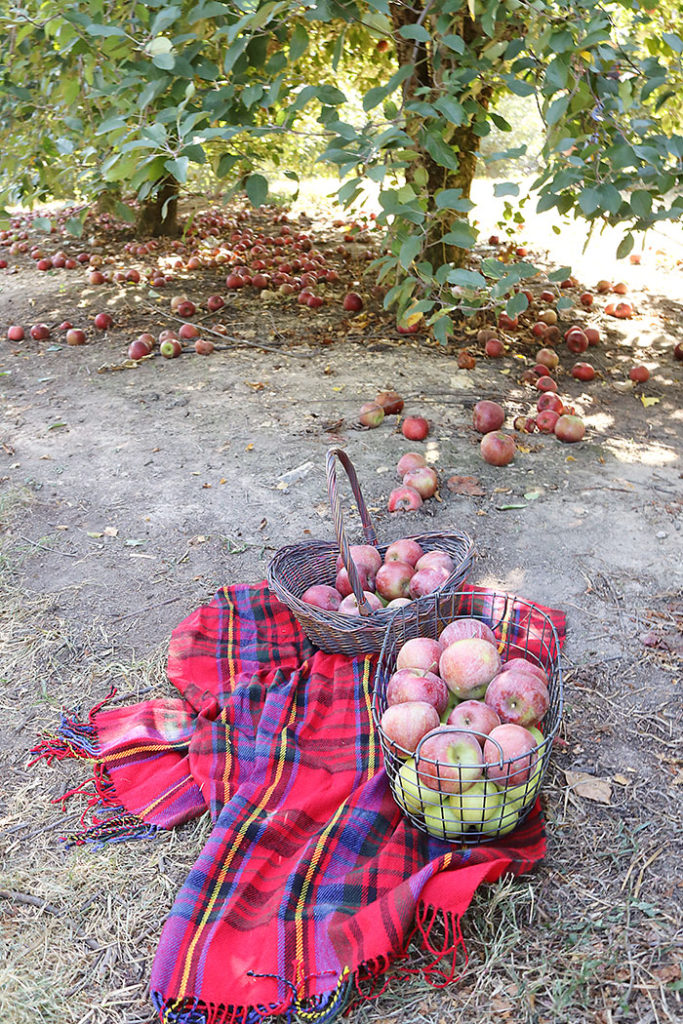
pixel 420 653
pixel 322 596
pixel 371 414
pixel 487 416
pixel 468 666
pixel 393 580
pixel 404 550
pixel 405 724
pixel 570 428
pixel 426 581
pixel 415 684
pixel 410 791
pixel 449 760
pixel 518 697
pixel 390 401
pixel 404 499
pixel 510 754
pixel 411 460
pixel 462 629
pixel 423 479
pixel 476 716
pixel 497 448
pixel 415 428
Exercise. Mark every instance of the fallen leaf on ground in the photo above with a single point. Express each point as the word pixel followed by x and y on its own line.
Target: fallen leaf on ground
pixel 111 531
pixel 648 400
pixel 465 485
pixel 590 787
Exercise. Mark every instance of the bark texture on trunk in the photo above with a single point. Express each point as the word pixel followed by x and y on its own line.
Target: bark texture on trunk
pixel 154 219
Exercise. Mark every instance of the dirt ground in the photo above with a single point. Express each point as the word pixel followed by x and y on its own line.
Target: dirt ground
pixel 128 496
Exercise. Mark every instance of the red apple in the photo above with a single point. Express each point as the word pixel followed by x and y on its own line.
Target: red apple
pixel 546 420
pixel 415 428
pixel 405 724
pixel 75 336
pixel 411 460
pixel 147 339
pixel 352 303
pixel 364 556
pixel 424 480
pixel 103 321
pixel 214 303
pixel 426 581
pixel 468 666
pixel 678 351
pixel 586 299
pixel 494 348
pixel 639 374
pixel 15 333
pixel 620 288
pixel 464 629
pixel 203 347
pixel 524 665
pixel 414 684
pixel 604 286
pixel 393 580
pixel 436 559
pixel 510 755
pixel 508 323
pixel 593 335
pixel 546 384
pixel 343 583
pixel 497 448
pixel 186 308
pixel 583 371
pixel 390 401
pixel 547 296
pixel 137 349
pixel 349 604
pixel 404 499
pixel 170 349
pixel 450 760
pixel 404 550
pixel 570 428
pixel 518 697
pixel 549 400
pixel 420 653
pixel 623 311
pixel 40 332
pixel 577 342
pixel 487 416
pixel 322 596
pixel 475 715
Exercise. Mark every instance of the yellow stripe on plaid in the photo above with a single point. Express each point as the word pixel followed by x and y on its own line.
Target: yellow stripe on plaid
pixel 231 853
pixel 367 693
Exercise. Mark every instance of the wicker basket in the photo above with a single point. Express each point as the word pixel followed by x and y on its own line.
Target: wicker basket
pixel 523 631
pixel 298 566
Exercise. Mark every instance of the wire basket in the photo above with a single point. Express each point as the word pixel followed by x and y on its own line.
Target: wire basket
pixel 296 567
pixel 523 630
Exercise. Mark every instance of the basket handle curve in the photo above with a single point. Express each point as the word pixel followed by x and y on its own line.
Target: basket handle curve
pixel 368 529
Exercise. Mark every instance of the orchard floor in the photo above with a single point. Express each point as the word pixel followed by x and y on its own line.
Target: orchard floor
pixel 128 496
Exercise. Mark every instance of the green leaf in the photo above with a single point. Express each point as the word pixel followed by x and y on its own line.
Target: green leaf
pixel 451 109
pixel 506 188
pixel 466 278
pixel 561 274
pixel 557 110
pixel 625 246
pixel 124 212
pixel 517 303
pixel 641 203
pixel 589 201
pixel 519 86
pixel 178 168
pixel 298 43
pixel 75 226
pixel 416 32
pixel 441 152
pixel 257 189
pixel 226 164
pixel 42 223
pixel 451 199
pixel 164 61
pixel 409 250
pixel 453 42
pixel 110 124
pixel 105 30
pixel 493 268
pixel 461 235
pixel 673 41
pixel 165 17
pixel 330 95
pixel 378 93
pixel 564 302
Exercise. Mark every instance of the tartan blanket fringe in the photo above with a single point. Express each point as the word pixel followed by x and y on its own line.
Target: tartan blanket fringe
pixel 437 932
pixel 76 739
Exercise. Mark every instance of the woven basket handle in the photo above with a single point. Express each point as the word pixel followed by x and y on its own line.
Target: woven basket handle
pixel 368 529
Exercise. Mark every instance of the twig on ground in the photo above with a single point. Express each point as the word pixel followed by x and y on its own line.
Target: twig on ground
pixel 149 607
pixel 35 901
pixel 51 551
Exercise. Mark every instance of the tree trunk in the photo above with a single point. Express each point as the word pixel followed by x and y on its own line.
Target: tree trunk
pixel 159 216
pixel 437 252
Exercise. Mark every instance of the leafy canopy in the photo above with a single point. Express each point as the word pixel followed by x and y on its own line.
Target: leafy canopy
pixel 131 95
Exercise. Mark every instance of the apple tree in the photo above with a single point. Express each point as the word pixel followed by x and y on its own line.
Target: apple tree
pixel 132 95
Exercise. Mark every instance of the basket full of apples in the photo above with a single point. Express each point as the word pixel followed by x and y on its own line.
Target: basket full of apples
pixel 344 595
pixel 467 701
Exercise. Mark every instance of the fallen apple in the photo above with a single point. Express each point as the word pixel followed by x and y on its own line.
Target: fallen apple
pixel 549 400
pixel 487 416
pixel 494 348
pixel 411 460
pixel 204 346
pixel 546 420
pixel 371 414
pixel 390 401
pixel 415 428
pixel 639 374
pixel 548 357
pixel 569 428
pixel 404 499
pixel 170 349
pixel 583 371
pixel 497 448
pixel 352 302
pixel 75 336
pixel 424 480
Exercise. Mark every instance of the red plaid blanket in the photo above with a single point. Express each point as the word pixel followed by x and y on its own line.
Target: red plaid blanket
pixel 312 882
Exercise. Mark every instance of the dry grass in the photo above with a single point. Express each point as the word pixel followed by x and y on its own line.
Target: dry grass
pixel 595 936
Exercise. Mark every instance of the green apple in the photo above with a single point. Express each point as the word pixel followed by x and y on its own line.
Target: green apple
pixel 527 791
pixel 452 701
pixel 540 740
pixel 478 805
pixel 444 822
pixel 410 791
pixel 508 819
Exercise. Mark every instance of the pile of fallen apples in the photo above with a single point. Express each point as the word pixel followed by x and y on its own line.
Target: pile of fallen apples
pixel 405 573
pixel 465 726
